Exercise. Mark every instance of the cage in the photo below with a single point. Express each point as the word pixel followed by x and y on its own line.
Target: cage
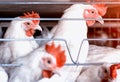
pixel 104 40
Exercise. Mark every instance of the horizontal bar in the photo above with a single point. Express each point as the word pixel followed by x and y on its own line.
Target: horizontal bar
pixel 56 19
pixel 97 39
pixel 53 2
pixel 96 25
pixel 10 65
pixel 106 25
pixel 2 39
pixel 88 64
pixel 74 62
pixel 58 39
pixel 52 24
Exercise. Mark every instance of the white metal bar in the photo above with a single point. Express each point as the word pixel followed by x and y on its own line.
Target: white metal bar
pixel 51 24
pixel 46 2
pixel 10 65
pixel 88 64
pixel 56 19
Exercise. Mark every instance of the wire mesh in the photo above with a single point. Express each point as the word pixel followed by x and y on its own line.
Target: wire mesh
pixel 57 19
pixel 74 62
pixel 56 2
pixel 67 46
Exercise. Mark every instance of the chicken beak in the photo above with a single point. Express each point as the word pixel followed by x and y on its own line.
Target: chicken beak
pixel 57 72
pixel 38 27
pixel 100 19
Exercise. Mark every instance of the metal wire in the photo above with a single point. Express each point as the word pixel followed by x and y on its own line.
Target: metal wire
pixel 52 3
pixel 93 39
pixel 10 65
pixel 43 39
pixel 47 39
pixel 56 19
pixel 88 64
pixel 102 39
pixel 66 44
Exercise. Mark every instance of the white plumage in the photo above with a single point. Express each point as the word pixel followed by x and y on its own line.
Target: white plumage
pixel 74 32
pixel 11 50
pixel 97 73
pixel 99 54
pixel 118 77
pixel 3 75
pixel 102 73
pixel 31 70
pixel 91 74
pixel 42 62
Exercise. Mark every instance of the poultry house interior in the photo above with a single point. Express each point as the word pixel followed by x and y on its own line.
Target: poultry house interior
pixel 104 39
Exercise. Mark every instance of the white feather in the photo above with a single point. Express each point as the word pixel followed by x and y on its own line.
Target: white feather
pixel 31 69
pixel 74 32
pixel 11 50
pixel 103 54
pixel 3 75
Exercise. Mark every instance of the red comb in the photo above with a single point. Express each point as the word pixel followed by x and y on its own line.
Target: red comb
pixel 57 53
pixel 102 9
pixel 113 72
pixel 32 15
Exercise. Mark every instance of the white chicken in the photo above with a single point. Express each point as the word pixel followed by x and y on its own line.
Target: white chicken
pixel 98 54
pixel 19 29
pixel 74 36
pixel 38 64
pixel 3 75
pixel 74 32
pixel 103 73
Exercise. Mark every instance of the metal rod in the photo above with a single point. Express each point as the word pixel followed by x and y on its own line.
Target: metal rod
pixel 88 64
pixel 46 39
pixel 10 65
pixel 90 39
pixel 74 62
pixel 43 39
pixel 56 19
pixel 97 39
pixel 52 2
pixel 51 24
pixel 56 39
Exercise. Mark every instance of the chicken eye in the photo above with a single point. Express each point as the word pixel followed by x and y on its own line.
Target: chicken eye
pixel 48 61
pixel 105 71
pixel 92 12
pixel 28 23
